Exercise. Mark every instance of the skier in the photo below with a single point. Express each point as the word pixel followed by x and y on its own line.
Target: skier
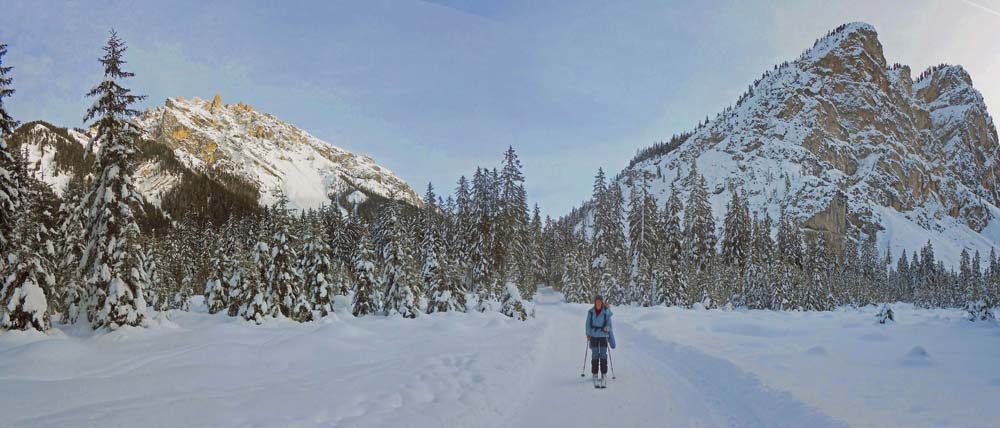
pixel 599 335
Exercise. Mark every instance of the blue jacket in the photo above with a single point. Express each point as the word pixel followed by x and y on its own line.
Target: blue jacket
pixel 595 325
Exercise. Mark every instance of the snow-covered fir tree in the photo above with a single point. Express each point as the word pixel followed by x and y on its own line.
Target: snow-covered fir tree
pixel 397 282
pixel 282 277
pixel 25 271
pixel 254 292
pixel 643 244
pixel 148 260
pixel 535 252
pixel 71 235
pixel 481 236
pixel 10 196
pixel 444 293
pixel 511 241
pixel 29 280
pixel 321 281
pixel 366 297
pixel 789 240
pixel 217 291
pixel 736 232
pixel 464 233
pixel 115 298
pixel 610 250
pixel 575 284
pixel 699 223
pixel 671 290
pixel 511 303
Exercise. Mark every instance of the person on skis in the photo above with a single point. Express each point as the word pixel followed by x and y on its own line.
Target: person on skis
pixel 600 335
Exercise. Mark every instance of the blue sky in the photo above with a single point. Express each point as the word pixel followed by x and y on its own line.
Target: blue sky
pixel 431 89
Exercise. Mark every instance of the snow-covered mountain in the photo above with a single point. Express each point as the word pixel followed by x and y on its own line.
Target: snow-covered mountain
pixel 271 153
pixel 846 142
pixel 186 136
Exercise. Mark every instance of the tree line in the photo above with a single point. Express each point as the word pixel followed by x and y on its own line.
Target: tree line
pixel 635 252
pixel 84 257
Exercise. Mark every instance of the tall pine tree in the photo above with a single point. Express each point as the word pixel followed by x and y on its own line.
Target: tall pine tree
pixel 366 299
pixel 109 263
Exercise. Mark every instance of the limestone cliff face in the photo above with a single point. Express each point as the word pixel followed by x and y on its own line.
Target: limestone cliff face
pixel 846 142
pixel 268 151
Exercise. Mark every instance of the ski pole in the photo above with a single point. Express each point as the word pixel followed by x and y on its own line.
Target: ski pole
pixel 611 363
pixel 584 368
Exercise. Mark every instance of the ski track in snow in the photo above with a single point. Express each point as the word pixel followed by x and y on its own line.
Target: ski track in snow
pixel 674 367
pixel 658 384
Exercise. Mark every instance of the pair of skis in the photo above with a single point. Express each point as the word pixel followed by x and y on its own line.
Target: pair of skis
pixel 600 382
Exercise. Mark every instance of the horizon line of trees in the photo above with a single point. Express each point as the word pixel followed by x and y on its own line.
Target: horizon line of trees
pixel 637 253
pixel 84 258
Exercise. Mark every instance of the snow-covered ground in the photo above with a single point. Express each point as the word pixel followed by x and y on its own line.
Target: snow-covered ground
pixel 674 367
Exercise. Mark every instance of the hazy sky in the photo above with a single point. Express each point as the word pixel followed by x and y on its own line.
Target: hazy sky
pixel 430 89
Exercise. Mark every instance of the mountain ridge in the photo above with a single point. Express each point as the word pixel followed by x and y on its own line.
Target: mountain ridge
pixel 848 145
pixel 269 151
pixel 224 152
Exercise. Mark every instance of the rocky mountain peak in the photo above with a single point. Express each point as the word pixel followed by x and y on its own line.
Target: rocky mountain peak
pixel 849 145
pixel 853 46
pixel 268 151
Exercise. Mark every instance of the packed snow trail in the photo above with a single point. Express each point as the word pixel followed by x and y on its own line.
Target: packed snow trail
pixel 674 367
pixel 658 384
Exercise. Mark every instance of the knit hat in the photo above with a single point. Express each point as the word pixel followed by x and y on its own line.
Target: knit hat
pixel 598 297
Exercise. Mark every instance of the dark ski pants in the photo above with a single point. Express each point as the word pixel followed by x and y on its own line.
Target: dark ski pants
pixel 599 352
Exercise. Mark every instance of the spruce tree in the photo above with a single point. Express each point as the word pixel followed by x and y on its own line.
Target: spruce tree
pixel 671 287
pixel 464 233
pixel 903 281
pixel 116 299
pixel 396 281
pixel 511 245
pixel 736 233
pixel 10 195
pixel 237 285
pixel 283 279
pixel 23 237
pixel 614 278
pixel 535 255
pixel 151 274
pixel 699 223
pixel 7 123
pixel 511 303
pixel 71 234
pixel 445 295
pixel 789 240
pixel 643 244
pixel 321 281
pixel 29 280
pixel 481 236
pixel 254 292
pixel 217 290
pixel 816 295
pixel 363 271
pixel 576 269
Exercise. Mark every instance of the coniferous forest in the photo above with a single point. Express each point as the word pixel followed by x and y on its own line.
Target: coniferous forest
pixel 102 255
